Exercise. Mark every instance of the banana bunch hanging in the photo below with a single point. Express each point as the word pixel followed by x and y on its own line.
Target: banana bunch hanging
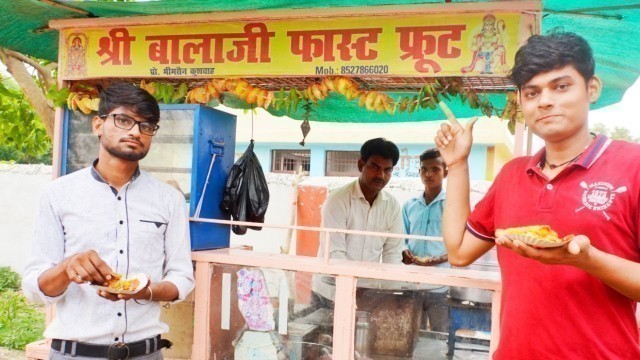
pixel 342 85
pixel 372 100
pixel 84 98
pixel 315 92
pixel 239 87
pixel 251 94
pixel 377 101
pixel 429 96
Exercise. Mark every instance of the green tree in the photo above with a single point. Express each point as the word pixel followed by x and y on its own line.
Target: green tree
pixel 23 137
pixel 600 128
pixel 620 133
pixel 35 77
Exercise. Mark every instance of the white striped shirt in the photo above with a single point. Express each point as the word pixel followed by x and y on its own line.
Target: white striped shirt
pixel 143 228
pixel 347 208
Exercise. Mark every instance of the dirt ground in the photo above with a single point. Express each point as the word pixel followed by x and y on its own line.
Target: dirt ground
pixel 6 354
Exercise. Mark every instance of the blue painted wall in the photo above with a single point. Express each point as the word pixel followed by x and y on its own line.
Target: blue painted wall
pixel 407 165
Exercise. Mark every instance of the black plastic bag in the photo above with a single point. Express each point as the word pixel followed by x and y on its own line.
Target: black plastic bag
pixel 246 195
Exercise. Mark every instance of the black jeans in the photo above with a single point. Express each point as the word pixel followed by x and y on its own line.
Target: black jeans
pixel 435 309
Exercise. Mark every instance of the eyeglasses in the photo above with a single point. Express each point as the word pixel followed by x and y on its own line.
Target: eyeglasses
pixel 126 122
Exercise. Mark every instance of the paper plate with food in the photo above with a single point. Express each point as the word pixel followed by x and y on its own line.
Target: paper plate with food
pixel 539 236
pixel 119 285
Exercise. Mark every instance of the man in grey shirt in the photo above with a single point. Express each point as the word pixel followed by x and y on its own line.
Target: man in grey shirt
pixel 111 218
pixel 363 205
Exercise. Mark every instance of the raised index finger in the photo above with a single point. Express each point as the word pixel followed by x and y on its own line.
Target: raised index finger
pixel 449 114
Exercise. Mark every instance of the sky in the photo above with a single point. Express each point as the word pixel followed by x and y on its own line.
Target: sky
pixel 622 114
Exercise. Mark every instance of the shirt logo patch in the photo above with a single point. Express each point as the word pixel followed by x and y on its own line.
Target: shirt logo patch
pixel 599 196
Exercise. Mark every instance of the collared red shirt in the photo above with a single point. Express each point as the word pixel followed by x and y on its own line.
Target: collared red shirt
pixel 559 311
pixel 425 219
pixel 142 228
pixel 347 208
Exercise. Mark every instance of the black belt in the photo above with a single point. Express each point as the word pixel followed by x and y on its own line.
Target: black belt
pixel 117 351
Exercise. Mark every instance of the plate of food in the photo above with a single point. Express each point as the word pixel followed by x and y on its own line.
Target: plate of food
pixel 119 285
pixel 539 236
pixel 408 258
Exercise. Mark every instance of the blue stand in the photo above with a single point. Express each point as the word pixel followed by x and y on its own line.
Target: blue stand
pixel 214 135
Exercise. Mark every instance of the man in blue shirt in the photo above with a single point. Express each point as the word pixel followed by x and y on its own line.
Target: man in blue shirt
pixel 422 215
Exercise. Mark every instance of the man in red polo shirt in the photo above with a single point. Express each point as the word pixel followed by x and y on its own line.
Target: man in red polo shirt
pixel 577 301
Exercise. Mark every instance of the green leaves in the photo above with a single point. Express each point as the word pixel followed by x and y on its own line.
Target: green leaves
pixel 430 95
pixel 9 279
pixel 279 99
pixel 167 93
pixel 20 322
pixel 59 97
pixel 179 94
pixel 6 92
pixel 289 101
pixel 23 138
pixel 511 125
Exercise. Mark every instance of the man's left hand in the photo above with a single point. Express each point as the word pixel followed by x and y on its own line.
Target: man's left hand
pixel 575 252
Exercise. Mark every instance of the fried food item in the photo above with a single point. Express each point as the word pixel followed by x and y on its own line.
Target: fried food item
pixel 117 283
pixel 535 235
pixel 543 232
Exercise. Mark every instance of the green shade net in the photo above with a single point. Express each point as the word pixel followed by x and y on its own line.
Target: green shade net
pixel 611 27
pixel 336 109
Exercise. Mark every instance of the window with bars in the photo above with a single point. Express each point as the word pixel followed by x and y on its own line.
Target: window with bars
pixel 288 161
pixel 342 163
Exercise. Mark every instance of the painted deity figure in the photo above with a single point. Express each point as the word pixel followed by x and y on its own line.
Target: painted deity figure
pixel 489 54
pixel 76 55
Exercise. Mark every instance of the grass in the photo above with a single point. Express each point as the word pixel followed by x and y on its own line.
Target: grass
pixel 20 322
pixel 9 279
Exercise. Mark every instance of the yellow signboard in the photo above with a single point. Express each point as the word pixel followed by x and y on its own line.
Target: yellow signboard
pixel 478 43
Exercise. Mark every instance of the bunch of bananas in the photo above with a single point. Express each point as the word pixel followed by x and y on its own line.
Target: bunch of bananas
pixel 240 87
pixel 377 101
pixel 372 100
pixel 83 98
pixel 341 84
pixel 83 103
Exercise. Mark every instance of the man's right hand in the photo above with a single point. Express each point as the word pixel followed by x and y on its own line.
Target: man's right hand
pixel 453 140
pixel 87 266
